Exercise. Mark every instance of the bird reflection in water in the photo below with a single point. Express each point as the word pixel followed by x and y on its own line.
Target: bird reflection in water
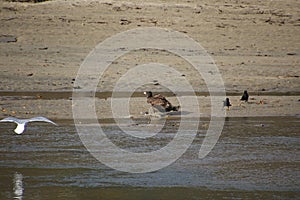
pixel 18 186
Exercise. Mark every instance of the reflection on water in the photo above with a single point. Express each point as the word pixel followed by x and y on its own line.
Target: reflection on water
pixel 249 161
pixel 18 186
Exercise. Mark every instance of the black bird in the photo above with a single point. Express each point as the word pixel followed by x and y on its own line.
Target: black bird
pixel 159 102
pixel 227 103
pixel 245 96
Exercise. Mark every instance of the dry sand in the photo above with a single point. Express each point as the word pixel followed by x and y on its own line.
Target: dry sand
pixel 255 45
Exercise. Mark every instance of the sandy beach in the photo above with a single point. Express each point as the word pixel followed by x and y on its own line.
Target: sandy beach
pixel 255 46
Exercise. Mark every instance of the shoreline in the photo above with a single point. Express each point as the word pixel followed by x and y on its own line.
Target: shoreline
pixel 258 106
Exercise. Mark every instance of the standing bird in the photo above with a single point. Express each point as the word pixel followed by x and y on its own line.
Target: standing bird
pixel 245 96
pixel 227 103
pixel 22 123
pixel 159 102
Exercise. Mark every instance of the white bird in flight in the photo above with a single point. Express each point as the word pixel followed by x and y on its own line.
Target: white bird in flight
pixel 22 123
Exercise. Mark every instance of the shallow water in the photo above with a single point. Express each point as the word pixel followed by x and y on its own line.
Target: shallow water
pixel 254 158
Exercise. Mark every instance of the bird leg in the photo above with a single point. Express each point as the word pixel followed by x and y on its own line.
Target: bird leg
pixel 151 111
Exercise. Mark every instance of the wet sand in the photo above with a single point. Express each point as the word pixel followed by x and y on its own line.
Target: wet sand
pixel 249 161
pixel 61 108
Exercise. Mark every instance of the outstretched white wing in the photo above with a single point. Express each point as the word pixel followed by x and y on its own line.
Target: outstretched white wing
pixel 41 119
pixel 11 119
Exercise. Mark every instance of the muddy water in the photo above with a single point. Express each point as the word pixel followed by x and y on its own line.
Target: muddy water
pixel 254 158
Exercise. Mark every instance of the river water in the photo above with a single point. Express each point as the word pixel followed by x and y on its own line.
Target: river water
pixel 255 158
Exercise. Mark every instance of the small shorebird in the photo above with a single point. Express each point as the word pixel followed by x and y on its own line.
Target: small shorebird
pixel 227 103
pixel 159 102
pixel 245 96
pixel 22 123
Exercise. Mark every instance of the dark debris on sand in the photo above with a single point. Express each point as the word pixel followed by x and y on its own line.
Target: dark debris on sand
pixel 8 38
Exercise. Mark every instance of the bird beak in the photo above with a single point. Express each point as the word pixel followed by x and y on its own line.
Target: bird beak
pixel 145 93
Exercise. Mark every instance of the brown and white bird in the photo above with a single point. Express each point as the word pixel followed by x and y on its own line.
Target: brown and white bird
pixel 159 102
